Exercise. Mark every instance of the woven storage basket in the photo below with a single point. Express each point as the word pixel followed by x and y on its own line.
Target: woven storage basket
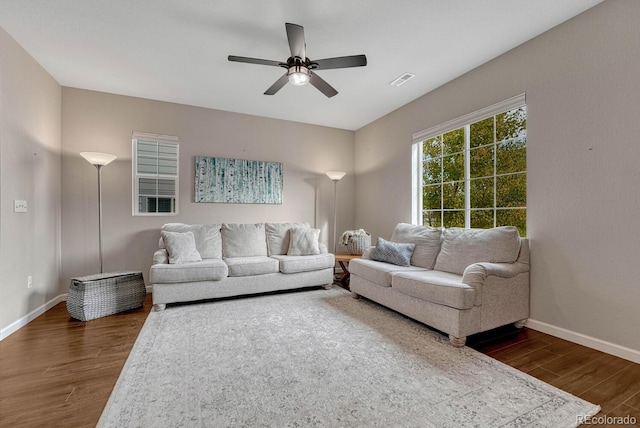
pixel 103 294
pixel 358 243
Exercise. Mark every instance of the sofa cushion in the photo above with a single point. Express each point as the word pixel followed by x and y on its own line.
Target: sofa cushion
pixel 304 242
pixel 208 239
pixel 278 236
pixel 393 252
pixel 181 247
pixel 463 247
pixel 443 288
pixel 293 264
pixel 248 266
pixel 427 240
pixel 243 240
pixel 206 270
pixel 378 272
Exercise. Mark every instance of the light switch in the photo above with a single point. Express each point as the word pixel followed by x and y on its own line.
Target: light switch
pixel 19 206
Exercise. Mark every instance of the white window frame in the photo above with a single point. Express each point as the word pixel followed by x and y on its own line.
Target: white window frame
pixel 461 122
pixel 136 175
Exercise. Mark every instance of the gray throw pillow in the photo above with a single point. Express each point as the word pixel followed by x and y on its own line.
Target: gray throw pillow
pixel 393 252
pixel 304 242
pixel 181 247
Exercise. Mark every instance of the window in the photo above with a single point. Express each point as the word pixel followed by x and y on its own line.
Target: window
pixel 472 172
pixel 155 174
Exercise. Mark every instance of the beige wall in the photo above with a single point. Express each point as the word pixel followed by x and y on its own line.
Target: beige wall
pixel 583 98
pixel 94 121
pixel 582 94
pixel 30 118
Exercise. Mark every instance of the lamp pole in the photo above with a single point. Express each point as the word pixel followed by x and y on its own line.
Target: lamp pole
pixel 99 168
pixel 335 214
pixel 335 176
pixel 99 160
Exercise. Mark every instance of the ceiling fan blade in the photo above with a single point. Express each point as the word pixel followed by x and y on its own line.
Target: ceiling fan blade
pixel 322 86
pixel 255 61
pixel 295 35
pixel 341 62
pixel 277 85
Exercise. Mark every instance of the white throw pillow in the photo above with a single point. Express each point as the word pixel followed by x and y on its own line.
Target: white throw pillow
pixel 208 238
pixel 181 247
pixel 278 236
pixel 304 242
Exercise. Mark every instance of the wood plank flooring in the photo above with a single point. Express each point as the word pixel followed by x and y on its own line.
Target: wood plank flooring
pixel 600 378
pixel 59 372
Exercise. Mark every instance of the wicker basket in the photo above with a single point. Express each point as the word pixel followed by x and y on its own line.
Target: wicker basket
pixel 358 243
pixel 103 294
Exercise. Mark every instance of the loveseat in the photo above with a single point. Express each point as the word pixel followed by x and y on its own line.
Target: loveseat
pixel 458 281
pixel 206 261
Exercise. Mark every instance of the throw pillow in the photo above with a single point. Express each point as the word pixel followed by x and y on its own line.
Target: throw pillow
pixel 181 247
pixel 278 236
pixel 208 238
pixel 304 242
pixel 393 252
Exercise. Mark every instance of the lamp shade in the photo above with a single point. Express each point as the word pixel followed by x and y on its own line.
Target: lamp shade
pixel 97 158
pixel 336 175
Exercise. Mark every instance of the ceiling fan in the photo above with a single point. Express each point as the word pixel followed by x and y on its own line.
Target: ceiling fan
pixel 299 67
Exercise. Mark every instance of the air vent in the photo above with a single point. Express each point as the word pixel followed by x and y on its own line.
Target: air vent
pixel 403 79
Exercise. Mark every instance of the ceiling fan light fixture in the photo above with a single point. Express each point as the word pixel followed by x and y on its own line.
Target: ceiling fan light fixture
pixel 299 75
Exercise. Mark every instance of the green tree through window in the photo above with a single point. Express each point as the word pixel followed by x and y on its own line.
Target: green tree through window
pixel 476 175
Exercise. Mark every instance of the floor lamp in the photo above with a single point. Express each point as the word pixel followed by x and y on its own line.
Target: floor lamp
pixel 335 176
pixel 99 160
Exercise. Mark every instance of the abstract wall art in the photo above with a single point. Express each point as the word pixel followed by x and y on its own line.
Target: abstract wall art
pixel 237 181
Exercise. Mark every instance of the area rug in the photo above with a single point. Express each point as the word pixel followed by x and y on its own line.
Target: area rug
pixel 319 358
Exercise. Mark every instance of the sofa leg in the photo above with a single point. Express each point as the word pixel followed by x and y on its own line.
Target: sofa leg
pixel 520 324
pixel 159 307
pixel 355 295
pixel 327 286
pixel 458 342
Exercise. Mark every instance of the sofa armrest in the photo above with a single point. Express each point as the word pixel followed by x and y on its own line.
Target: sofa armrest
pixel 478 272
pixel 161 257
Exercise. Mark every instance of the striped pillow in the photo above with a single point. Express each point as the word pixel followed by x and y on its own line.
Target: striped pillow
pixel 393 252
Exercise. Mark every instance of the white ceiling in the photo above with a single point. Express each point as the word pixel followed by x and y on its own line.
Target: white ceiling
pixel 176 50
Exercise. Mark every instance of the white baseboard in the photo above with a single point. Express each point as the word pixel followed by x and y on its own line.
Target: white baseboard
pixel 17 325
pixel 588 341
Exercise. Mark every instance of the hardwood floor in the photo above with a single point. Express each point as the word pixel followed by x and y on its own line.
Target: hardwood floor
pixel 59 372
pixel 600 378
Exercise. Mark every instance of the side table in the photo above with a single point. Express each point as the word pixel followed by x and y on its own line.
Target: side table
pixel 343 260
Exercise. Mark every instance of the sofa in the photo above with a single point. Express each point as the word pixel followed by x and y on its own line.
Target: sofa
pixel 459 281
pixel 206 261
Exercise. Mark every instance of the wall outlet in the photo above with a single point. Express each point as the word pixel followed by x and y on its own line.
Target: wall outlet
pixel 29 281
